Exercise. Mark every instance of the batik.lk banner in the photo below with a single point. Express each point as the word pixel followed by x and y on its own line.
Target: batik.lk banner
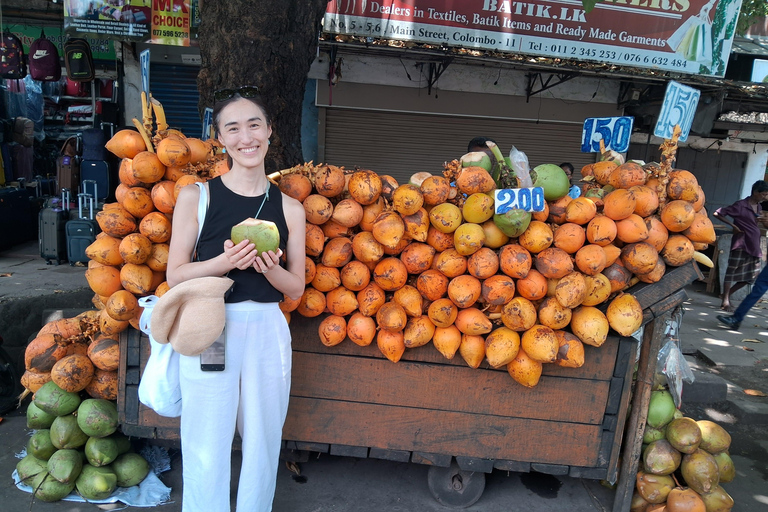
pixel 171 22
pixel 688 36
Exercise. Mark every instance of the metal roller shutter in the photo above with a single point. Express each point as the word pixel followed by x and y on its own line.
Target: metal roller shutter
pixel 400 144
pixel 176 88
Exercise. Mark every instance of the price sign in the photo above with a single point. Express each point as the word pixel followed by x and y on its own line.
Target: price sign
pixel 530 199
pixel 613 131
pixel 679 107
pixel 144 64
pixel 207 123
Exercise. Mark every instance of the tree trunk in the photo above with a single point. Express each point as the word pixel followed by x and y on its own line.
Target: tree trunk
pixel 270 44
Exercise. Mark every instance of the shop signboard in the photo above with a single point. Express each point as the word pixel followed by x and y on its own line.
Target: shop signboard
pixel 686 36
pixel 102 47
pixel 170 22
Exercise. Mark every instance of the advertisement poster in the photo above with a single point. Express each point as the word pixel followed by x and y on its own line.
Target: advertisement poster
pixel 170 22
pixel 686 36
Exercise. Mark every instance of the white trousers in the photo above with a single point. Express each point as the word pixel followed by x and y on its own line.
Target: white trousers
pixel 250 394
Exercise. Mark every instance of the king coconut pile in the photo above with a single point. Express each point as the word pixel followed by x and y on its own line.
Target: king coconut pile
pixel 427 261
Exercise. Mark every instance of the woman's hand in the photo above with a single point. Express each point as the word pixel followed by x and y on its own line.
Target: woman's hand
pixel 267 261
pixel 240 256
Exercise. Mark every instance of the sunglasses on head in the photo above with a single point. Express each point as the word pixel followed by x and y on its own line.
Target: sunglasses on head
pixel 246 91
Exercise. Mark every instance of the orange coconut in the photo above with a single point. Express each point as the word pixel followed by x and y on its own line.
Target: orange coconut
pixel 602 171
pixel 390 274
pixel 701 229
pixel 618 276
pixel 295 185
pixel 497 290
pixel 147 167
pixel 329 180
pixel 407 199
pixel 612 254
pixel 570 352
pixel 364 186
pixel 391 344
pixel 677 215
pixel 447 340
pixel 646 200
pixel 657 232
pixel 655 275
pixel 519 314
pixel 569 237
pixel 524 370
pixel 677 251
pixel 410 299
pixel 156 226
pixel 370 299
pixel 417 257
pixel 619 204
pixel 682 185
pixel 445 217
pixel 515 260
pixel 310 270
pixel 326 278
pixel 494 237
pixel 355 276
pixel 332 330
pixel 442 312
pixel 135 248
pixel 370 212
pixel 318 209
pixel 540 343
pixel 472 350
pixel 473 321
pixel 348 213
pixel 439 240
pixel 366 248
pixel 472 180
pixel 590 325
pixel 173 152
pixel 580 211
pixel 435 190
pixel 332 229
pixel 554 315
pixel 183 181
pixel 632 229
pixel 639 258
pixel 126 144
pixel 591 259
pixel 553 263
pixel 341 301
pixel 571 290
pixel 312 303
pixel 361 329
pixel 388 229
pixel 627 175
pixel 464 291
pixel 418 332
pixel 601 230
pixel 105 250
pixel 116 221
pixel 450 263
pixel 483 264
pixel 432 284
pixel 337 252
pixel 533 286
pixel 137 279
pixel 537 237
pixel 162 196
pixel 598 289
pixel 557 210
pixel 315 240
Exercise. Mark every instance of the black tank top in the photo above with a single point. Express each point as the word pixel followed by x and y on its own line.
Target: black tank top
pixel 226 209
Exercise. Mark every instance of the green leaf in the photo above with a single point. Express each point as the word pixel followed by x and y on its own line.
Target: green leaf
pixel 589 5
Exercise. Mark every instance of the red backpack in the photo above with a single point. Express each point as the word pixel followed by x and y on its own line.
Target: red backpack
pixel 44 63
pixel 12 63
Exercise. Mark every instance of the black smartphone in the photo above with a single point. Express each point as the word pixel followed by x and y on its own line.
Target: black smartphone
pixel 212 360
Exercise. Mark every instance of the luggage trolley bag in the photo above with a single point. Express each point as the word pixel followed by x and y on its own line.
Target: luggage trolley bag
pixel 95 171
pixel 81 232
pixel 52 233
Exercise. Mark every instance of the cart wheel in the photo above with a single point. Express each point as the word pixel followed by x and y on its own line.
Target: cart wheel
pixel 455 488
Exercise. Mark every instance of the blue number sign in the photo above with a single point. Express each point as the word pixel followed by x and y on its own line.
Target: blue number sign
pixel 679 107
pixel 529 199
pixel 207 123
pixel 144 63
pixel 614 132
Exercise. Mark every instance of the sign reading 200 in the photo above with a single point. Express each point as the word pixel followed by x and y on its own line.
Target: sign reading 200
pixel 529 199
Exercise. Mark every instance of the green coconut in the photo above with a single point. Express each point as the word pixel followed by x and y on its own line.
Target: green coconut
pixel 684 434
pixel 513 223
pixel 54 400
pixel 714 438
pixel 653 434
pixel 65 466
pixel 717 500
pixel 262 233
pixel 38 418
pixel 477 159
pixel 660 458
pixel 700 471
pixel 96 483
pixel 131 469
pixel 65 433
pixel 97 417
pixel 661 409
pixel 29 467
pixel 101 451
pixel 49 489
pixel 552 179
pixel 122 442
pixel 40 445
pixel 725 467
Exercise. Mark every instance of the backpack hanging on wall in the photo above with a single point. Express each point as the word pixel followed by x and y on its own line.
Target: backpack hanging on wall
pixel 78 59
pixel 44 63
pixel 12 62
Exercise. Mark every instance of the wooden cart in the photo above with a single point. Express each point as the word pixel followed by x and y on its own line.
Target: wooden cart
pixel 464 422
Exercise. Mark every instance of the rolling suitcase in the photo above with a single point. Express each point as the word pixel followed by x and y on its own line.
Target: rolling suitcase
pixel 81 232
pixel 52 232
pixel 95 171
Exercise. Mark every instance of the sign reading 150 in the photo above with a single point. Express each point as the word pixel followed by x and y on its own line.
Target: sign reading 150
pixel 613 131
pixel 529 199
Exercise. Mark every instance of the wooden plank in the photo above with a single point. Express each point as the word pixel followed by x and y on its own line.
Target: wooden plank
pixel 343 450
pixel 614 396
pixel 598 361
pixel 623 358
pixel 431 459
pixel 550 469
pixel 621 418
pixel 454 433
pixel 133 347
pixel 394 455
pixel 132 404
pixel 132 376
pixel 149 417
pixel 313 447
pixel 591 473
pixel 123 344
pixel 434 387
pixel 610 422
pixel 652 337
pixel 675 279
pixel 669 303
pixel 512 465
pixel 475 464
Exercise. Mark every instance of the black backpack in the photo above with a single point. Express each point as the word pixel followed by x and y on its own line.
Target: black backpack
pixel 78 59
pixel 12 62
pixel 44 64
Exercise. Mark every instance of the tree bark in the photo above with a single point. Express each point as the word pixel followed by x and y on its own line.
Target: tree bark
pixel 270 44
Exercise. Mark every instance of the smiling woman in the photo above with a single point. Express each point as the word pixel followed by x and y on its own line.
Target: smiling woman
pixel 251 390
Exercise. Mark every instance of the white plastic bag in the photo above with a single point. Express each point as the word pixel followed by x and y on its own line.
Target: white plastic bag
pixel 159 387
pixel 521 167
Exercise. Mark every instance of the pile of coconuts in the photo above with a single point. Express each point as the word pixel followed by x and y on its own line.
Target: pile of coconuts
pixel 76 447
pixel 684 462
